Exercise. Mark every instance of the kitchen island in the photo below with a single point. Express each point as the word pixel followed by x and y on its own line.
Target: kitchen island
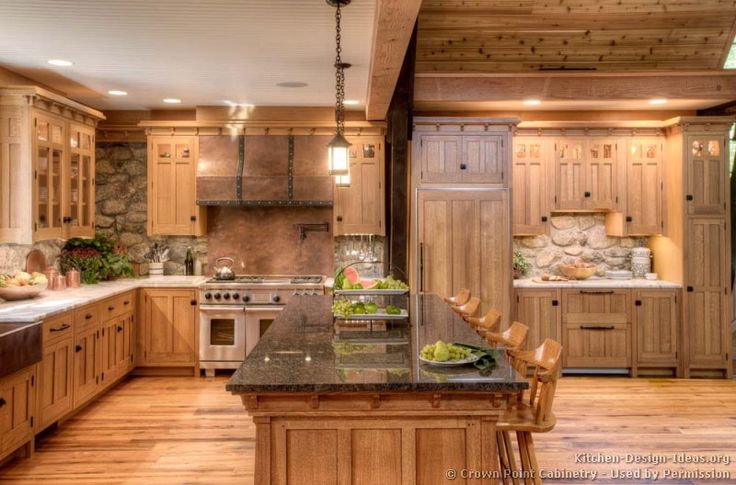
pixel 350 402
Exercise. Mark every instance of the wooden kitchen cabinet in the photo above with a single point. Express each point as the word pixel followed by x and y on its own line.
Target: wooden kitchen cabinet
pixel 656 323
pixel 56 370
pixel 360 208
pixel 80 182
pixel 597 328
pixel 50 174
pixel 440 157
pixel 17 410
pixel 464 242
pixel 586 171
pixel 707 175
pixel 570 174
pixel 644 188
pixel 541 311
pixel 168 329
pixel 88 362
pixel 531 178
pixel 172 170
pixel 483 159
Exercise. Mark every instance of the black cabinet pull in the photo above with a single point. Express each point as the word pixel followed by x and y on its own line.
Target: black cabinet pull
pixel 126 302
pixel 690 289
pixel 607 292
pixel 193 302
pixel 544 218
pixel 596 327
pixel 463 166
pixel 629 218
pixel 88 316
pixel 587 194
pixel 2 402
pixel 555 302
pixel 110 308
pixel 193 218
pixel 637 303
pixel 60 328
pixel 78 348
pixel 120 329
pixel 688 197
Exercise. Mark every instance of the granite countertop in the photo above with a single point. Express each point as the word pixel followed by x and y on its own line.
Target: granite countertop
pixel 305 351
pixel 595 282
pixel 51 303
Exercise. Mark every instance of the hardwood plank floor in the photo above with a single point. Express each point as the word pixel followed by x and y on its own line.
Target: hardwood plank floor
pixel 151 430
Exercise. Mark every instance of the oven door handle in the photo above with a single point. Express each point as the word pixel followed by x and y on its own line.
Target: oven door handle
pixel 264 308
pixel 221 309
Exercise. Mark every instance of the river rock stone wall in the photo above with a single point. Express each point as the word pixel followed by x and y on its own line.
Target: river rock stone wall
pixel 574 237
pixel 13 256
pixel 121 178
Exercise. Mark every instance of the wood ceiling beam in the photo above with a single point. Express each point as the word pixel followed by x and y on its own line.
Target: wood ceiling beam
pixel 392 31
pixel 431 88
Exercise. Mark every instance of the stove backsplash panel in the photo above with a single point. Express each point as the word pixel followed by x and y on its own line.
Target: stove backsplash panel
pixel 265 240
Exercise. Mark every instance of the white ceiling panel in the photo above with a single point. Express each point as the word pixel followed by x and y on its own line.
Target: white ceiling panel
pixel 204 52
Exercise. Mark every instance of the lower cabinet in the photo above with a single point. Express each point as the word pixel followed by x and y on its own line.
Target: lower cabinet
pixel 56 371
pixel 168 328
pixel 541 311
pixel 655 320
pixel 17 409
pixel 597 328
pixel 87 364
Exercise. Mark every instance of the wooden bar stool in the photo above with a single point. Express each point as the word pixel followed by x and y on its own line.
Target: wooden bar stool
pixel 512 339
pixel 486 323
pixel 461 298
pixel 468 309
pixel 533 415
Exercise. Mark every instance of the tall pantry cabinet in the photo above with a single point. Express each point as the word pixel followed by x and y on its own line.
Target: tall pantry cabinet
pixel 47 166
pixel 461 174
pixel 697 251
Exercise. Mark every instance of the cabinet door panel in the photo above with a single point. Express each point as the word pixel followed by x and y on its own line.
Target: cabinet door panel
pixel 644 188
pixel 601 190
pixel 170 327
pixel 87 364
pixel 16 415
pixel 80 210
pixel 540 311
pixel 706 175
pixel 570 174
pixel 656 321
pixel 440 158
pixel 435 224
pixel 49 158
pixel 595 345
pixel 532 182
pixel 482 159
pixel 55 380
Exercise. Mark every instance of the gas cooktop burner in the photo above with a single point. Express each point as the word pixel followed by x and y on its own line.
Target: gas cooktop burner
pixel 271 279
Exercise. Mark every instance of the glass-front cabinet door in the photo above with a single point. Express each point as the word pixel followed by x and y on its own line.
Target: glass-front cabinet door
pixel 49 157
pixel 79 216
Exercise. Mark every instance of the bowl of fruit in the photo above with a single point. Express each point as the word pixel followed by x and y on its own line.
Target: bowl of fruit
pixel 22 285
pixel 447 354
pixel 578 271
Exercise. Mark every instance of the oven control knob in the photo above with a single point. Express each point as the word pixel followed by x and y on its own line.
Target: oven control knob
pixel 236 296
pixel 217 296
pixel 246 298
pixel 276 298
pixel 226 296
pixel 207 295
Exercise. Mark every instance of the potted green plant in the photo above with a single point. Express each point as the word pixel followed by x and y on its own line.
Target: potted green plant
pixel 520 265
pixel 95 259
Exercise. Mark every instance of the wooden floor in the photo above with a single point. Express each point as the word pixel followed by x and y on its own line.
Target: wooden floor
pixel 152 431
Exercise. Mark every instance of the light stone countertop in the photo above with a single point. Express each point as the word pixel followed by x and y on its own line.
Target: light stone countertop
pixel 51 303
pixel 597 283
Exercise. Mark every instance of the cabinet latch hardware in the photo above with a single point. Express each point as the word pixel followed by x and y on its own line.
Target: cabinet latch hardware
pixel 193 302
pixel 555 302
pixel 193 218
pixel 637 303
pixel 2 402
pixel 690 289
pixel 688 197
pixel 78 348
pixel 544 218
pixel 120 329
pixel 629 218
pixel 463 166
pixel 31 422
pixel 33 380
pixel 339 218
pixel 587 194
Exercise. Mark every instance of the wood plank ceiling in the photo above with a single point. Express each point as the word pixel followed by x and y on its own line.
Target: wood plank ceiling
pixel 491 36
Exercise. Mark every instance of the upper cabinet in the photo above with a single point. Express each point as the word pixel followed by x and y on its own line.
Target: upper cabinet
pixel 644 187
pixel 532 192
pixel 467 151
pixel 47 166
pixel 706 174
pixel 172 170
pixel 360 207
pixel 585 170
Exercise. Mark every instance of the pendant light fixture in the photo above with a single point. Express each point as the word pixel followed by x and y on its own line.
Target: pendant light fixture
pixel 339 146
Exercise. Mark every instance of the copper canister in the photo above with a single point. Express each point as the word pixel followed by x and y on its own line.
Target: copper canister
pixel 51 274
pixel 72 278
pixel 60 283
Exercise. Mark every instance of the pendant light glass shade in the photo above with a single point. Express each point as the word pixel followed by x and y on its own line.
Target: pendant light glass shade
pixel 338 162
pixel 343 180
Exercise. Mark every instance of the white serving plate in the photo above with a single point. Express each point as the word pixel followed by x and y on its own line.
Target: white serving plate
pixel 451 363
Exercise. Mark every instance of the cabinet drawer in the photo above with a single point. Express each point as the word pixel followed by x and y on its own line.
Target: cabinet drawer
pixel 117 306
pixel 57 328
pixel 86 317
pixel 597 345
pixel 596 307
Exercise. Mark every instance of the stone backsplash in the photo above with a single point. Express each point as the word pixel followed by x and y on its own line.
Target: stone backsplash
pixel 121 178
pixel 13 256
pixel 574 237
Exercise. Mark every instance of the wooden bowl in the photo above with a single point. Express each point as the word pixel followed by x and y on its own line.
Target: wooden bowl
pixel 577 273
pixel 13 293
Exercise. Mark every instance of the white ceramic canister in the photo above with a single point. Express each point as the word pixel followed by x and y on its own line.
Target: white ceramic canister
pixel 641 264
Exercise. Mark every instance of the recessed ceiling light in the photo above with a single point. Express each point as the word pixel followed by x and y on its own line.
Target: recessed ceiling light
pixel 172 100
pixel 292 84
pixel 117 92
pixel 351 102
pixel 60 62
pixel 532 102
pixel 658 101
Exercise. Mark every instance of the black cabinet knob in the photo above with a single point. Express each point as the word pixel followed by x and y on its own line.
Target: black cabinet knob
pixel 126 303
pixel 110 308
pixel 637 303
pixel 78 348
pixel 629 218
pixel 88 316
pixel 193 218
pixel 463 166
pixel 555 302
pixel 587 194
pixel 544 218
pixel 120 329
pixel 2 402
pixel 276 298
pixel 690 289
pixel 339 218
pixel 193 302
pixel 688 197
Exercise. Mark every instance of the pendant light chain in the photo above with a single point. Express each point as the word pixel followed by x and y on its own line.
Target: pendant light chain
pixel 339 75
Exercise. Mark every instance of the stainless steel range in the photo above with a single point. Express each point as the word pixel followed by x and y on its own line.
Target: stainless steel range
pixel 235 313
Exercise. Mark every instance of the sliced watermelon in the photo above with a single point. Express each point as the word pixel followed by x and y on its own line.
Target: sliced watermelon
pixel 369 284
pixel 351 275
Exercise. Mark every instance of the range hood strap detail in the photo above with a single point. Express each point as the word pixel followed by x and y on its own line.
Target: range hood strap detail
pixel 290 188
pixel 241 165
